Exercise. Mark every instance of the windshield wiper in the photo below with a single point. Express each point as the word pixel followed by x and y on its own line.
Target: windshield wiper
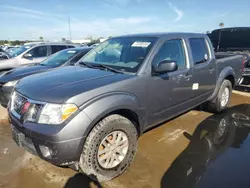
pixel 96 66
pixel 107 68
pixel 85 64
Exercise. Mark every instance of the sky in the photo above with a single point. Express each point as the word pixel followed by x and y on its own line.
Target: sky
pixel 30 19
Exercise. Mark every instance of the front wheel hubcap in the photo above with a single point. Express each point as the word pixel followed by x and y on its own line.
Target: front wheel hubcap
pixel 112 149
pixel 225 97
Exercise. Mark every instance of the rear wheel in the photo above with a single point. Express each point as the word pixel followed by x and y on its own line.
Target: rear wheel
pixel 109 148
pixel 223 97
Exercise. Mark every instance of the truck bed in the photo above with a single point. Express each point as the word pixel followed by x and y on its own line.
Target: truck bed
pixel 230 60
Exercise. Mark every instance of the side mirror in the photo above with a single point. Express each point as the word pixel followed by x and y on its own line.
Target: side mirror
pixel 27 56
pixel 166 66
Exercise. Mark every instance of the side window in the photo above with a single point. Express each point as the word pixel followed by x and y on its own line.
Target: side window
pixel 199 50
pixel 39 51
pixel 172 50
pixel 56 48
pixel 71 46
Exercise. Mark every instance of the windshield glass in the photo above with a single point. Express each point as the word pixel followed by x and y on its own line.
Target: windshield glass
pixel 124 54
pixel 18 51
pixel 60 57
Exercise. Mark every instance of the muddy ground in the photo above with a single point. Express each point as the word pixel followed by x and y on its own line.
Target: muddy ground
pixel 158 149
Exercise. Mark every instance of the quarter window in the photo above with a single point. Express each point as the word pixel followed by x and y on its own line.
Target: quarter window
pixel 199 50
pixel 172 50
pixel 56 48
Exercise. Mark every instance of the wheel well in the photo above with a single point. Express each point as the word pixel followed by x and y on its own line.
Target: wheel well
pixel 131 115
pixel 231 79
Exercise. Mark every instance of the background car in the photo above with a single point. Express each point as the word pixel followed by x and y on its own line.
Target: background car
pixel 4 54
pixel 6 48
pixel 35 53
pixel 235 40
pixel 62 58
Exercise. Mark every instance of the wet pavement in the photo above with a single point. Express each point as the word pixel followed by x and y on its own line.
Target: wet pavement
pixel 197 149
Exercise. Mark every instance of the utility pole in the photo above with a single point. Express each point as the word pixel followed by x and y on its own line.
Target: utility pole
pixel 69 29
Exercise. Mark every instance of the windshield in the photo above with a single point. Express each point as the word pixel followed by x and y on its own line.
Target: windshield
pixel 60 57
pixel 124 54
pixel 18 51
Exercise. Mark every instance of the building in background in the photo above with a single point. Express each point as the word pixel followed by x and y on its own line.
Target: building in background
pixel 81 41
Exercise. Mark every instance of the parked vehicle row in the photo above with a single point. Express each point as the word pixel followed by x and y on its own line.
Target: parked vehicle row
pixel 31 54
pixel 60 59
pixel 90 116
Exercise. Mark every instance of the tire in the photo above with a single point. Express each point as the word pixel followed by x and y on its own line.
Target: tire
pixel 89 161
pixel 217 105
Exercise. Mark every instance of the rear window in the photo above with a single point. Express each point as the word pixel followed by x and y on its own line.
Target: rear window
pixel 56 48
pixel 231 39
pixel 199 50
pixel 71 46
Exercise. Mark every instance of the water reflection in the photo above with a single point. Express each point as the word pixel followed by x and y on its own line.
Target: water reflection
pixel 211 147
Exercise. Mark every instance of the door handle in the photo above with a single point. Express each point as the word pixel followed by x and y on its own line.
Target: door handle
pixel 211 70
pixel 185 76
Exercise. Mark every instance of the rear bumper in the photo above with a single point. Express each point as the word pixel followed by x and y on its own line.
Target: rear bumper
pixel 58 144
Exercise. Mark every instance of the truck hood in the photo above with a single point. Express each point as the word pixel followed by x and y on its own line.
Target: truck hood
pixel 16 74
pixel 61 84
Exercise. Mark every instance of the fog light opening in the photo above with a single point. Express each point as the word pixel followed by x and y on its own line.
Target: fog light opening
pixel 46 152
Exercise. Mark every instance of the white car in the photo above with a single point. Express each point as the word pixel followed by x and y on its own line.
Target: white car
pixel 31 54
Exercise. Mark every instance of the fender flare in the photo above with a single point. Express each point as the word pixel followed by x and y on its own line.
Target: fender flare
pixel 227 71
pixel 101 106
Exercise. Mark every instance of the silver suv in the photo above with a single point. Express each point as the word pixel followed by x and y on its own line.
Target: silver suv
pixel 34 53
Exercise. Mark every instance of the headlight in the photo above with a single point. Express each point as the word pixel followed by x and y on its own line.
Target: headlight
pixel 56 113
pixel 11 83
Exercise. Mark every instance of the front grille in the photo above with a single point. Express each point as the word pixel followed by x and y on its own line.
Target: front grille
pixel 18 103
pixel 25 109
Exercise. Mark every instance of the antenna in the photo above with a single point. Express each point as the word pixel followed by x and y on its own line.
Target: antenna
pixel 69 29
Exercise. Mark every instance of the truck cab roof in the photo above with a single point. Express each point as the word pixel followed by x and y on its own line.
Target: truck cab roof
pixel 164 34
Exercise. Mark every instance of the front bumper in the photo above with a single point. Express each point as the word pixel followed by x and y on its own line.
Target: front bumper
pixel 5 95
pixel 246 72
pixel 60 145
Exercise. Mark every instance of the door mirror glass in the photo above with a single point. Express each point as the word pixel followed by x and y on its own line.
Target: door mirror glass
pixel 27 56
pixel 166 66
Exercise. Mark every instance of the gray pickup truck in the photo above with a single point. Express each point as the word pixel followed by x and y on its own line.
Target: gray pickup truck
pixel 90 116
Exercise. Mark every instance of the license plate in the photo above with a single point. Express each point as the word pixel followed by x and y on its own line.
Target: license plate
pixel 17 136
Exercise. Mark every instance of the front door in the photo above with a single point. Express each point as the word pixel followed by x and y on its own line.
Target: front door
pixel 170 93
pixel 35 55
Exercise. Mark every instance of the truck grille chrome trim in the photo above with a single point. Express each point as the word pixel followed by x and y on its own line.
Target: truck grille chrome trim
pixel 21 105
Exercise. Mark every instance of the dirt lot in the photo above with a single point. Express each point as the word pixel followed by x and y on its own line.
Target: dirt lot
pixel 158 149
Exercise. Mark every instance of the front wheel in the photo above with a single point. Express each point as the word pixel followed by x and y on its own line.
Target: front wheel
pixel 109 148
pixel 223 97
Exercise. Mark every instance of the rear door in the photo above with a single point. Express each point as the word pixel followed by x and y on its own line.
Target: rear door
pixel 204 73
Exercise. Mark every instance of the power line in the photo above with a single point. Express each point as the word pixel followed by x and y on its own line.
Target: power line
pixel 69 28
